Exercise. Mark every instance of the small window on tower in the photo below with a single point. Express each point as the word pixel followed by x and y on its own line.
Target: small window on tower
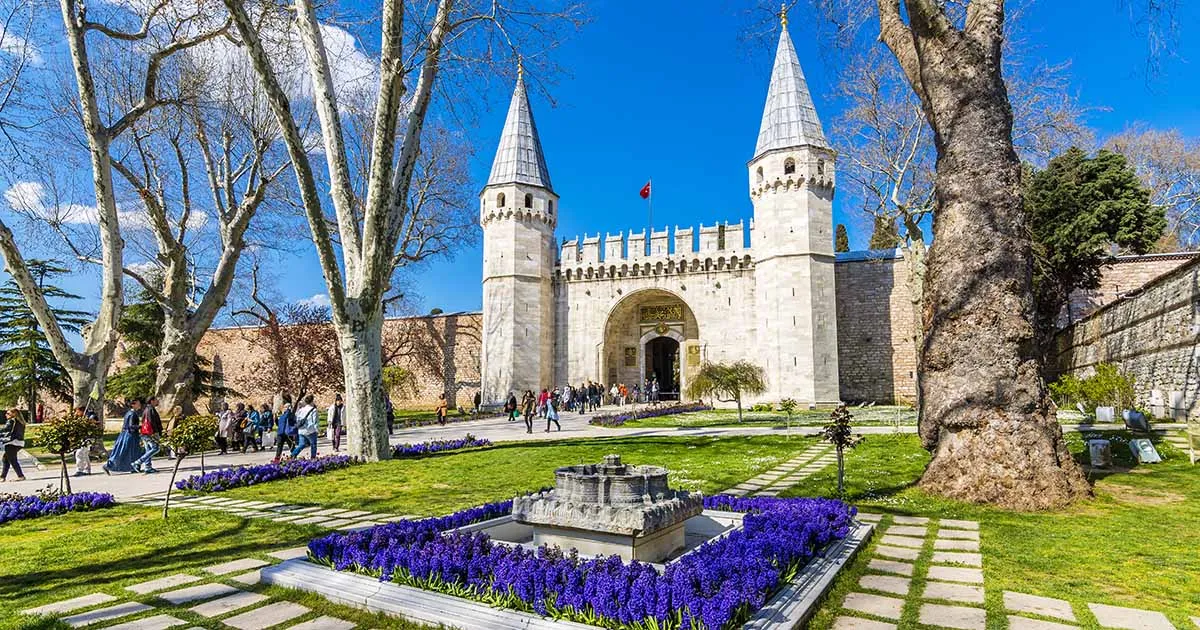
pixel 760 175
pixel 550 206
pixel 820 167
pixel 500 200
pixel 528 200
pixel 789 166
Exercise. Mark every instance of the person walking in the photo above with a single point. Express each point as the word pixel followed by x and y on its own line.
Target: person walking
pixel 389 412
pixel 128 446
pixel 552 413
pixel 266 427
pixel 13 438
pixel 335 418
pixel 527 403
pixel 151 429
pixel 510 407
pixel 83 454
pixel 307 426
pixel 250 432
pixel 477 401
pixel 224 428
pixel 285 432
pixel 441 409
pixel 240 419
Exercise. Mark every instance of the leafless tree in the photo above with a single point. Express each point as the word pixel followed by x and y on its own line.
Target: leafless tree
pixel 1169 165
pixel 379 229
pixel 149 38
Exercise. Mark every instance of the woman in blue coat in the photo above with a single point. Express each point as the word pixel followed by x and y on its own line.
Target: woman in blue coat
pixel 128 446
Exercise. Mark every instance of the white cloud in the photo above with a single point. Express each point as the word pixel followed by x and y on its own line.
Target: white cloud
pixel 18 46
pixel 320 300
pixel 30 198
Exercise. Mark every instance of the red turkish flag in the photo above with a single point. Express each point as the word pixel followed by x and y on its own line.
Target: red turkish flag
pixel 645 193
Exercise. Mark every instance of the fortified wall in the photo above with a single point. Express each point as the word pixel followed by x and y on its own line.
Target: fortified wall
pixel 1151 333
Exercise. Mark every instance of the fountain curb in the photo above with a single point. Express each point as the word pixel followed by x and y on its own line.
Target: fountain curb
pixel 790 608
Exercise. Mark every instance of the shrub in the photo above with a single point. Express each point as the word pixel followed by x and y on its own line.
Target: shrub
pixel 65 434
pixel 838 432
pixel 1107 387
pixel 193 434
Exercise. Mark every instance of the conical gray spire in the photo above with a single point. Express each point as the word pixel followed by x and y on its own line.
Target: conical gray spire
pixel 789 118
pixel 519 158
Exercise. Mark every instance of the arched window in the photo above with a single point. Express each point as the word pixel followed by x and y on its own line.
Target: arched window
pixel 528 200
pixel 760 175
pixel 500 200
pixel 550 205
pixel 820 167
pixel 789 166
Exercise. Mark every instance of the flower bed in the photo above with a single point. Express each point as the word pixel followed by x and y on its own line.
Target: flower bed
pixel 35 506
pixel 227 478
pixel 718 585
pixel 437 446
pixel 618 419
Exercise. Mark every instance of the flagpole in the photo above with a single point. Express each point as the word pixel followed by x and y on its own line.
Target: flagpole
pixel 650 209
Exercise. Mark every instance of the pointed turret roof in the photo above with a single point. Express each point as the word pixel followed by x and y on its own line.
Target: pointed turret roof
pixel 789 118
pixel 519 158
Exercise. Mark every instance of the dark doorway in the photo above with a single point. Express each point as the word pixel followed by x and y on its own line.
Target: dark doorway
pixel 662 364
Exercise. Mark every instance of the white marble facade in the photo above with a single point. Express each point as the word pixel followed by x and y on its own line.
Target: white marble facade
pixel 619 308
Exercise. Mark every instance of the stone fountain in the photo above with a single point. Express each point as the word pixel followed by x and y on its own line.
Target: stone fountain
pixel 610 508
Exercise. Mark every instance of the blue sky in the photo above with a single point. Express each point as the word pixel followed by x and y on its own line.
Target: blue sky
pixel 673 93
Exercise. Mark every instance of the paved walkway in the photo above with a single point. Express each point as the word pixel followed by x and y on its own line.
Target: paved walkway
pixel 330 518
pixel 787 474
pixel 218 593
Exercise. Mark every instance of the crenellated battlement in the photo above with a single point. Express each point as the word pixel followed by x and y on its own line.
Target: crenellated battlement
pixel 721 247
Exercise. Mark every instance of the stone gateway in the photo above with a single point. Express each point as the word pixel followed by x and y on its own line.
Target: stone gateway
pixel 638 308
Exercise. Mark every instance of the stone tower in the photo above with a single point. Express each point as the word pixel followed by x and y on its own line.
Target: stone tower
pixel 791 185
pixel 517 210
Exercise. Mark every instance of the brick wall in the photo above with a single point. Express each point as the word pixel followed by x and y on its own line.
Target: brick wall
pixel 876 357
pixel 1152 335
pixel 451 366
pixel 1126 274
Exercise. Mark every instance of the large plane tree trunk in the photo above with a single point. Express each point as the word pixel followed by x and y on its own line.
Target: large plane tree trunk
pixel 174 379
pixel 985 411
pixel 362 357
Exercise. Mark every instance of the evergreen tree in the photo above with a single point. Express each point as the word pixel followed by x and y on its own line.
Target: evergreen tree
pixel 885 234
pixel 841 242
pixel 1078 208
pixel 27 365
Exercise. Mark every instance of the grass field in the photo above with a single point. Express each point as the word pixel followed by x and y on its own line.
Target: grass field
pixel 444 483
pixel 1136 543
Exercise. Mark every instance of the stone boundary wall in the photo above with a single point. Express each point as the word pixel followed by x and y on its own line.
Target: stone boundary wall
pixel 876 355
pixel 1152 334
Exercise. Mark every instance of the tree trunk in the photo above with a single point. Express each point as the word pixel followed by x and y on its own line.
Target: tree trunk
pixel 914 262
pixel 83 383
pixel 176 370
pixel 362 357
pixel 739 405
pixel 986 414
pixel 66 479
pixel 171 486
pixel 841 456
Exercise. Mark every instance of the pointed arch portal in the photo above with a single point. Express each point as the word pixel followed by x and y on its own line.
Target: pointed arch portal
pixel 651 335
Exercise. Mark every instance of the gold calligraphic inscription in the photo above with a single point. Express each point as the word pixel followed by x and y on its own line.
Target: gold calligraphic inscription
pixel 662 313
pixel 693 358
pixel 630 357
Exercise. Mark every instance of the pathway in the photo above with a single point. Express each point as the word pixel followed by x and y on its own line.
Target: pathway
pixel 330 518
pixel 787 474
pixel 222 594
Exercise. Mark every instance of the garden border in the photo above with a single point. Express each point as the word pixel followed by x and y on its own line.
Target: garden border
pixel 789 608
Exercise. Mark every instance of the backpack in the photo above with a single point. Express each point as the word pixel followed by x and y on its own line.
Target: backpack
pixel 147 427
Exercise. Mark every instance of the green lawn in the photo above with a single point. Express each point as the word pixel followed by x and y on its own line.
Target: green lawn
pixel 1135 544
pixel 444 483
pixel 57 558
pixel 865 416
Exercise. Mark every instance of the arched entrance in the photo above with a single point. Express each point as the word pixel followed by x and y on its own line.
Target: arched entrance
pixel 651 336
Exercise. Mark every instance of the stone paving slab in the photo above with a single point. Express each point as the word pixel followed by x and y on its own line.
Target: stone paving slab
pixel 962 593
pixel 907 530
pixel 337 522
pixel 157 622
pixel 897 553
pixel 161 584
pixel 890 566
pixel 196 593
pixel 288 518
pixel 228 604
pixel 106 614
pixel 249 578
pixel 306 510
pixel 329 512
pixel 958 557
pixel 312 520
pixel 901 541
pixel 961 617
pixel 858 623
pixel 878 605
pixel 869 517
pixel 363 525
pixel 955 574
pixel 910 520
pixel 243 564
pixel 886 583
pixel 950 523
pixel 66 606
pixel 960 534
pixel 1037 605
pixel 946 544
pixel 290 554
pixel 267 616
pixel 1130 618
pixel 324 623
pixel 355 514
pixel 1025 623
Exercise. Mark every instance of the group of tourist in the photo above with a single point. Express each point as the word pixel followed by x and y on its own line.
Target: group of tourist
pixel 544 405
pixel 140 439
